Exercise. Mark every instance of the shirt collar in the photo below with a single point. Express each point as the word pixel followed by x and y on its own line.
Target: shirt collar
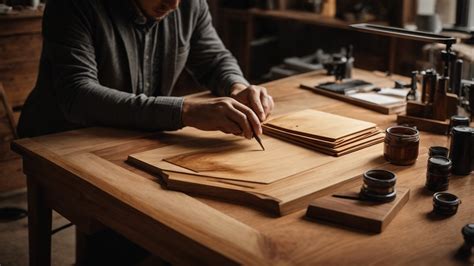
pixel 138 17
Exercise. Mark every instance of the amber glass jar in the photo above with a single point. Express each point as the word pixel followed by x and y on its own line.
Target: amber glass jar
pixel 401 145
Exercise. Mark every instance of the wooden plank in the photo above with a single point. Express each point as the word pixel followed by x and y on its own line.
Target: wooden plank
pixel 18 49
pixel 22 23
pixel 377 78
pixel 287 195
pixel 18 80
pixel 231 158
pixel 320 125
pixel 371 106
pixel 424 124
pixel 364 215
pixel 268 130
pixel 343 150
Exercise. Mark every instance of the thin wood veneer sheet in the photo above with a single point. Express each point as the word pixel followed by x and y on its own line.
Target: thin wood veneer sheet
pixel 338 152
pixel 240 160
pixel 270 131
pixel 320 125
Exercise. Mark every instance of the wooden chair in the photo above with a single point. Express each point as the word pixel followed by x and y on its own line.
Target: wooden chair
pixel 7 113
pixel 6 117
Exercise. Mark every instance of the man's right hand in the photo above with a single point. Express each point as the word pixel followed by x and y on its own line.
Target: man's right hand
pixel 224 114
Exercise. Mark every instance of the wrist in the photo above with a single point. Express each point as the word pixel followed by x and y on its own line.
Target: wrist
pixel 236 88
pixel 185 112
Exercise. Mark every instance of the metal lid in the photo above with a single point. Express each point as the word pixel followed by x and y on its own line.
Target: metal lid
pixel 462 130
pixel 459 120
pixel 438 151
pixel 446 199
pixel 439 161
pixel 468 232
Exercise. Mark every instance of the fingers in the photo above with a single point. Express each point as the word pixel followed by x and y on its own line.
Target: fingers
pixel 241 120
pixel 267 102
pixel 231 128
pixel 256 102
pixel 259 101
pixel 251 117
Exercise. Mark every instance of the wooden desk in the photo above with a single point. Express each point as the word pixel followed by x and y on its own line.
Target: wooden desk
pixel 82 175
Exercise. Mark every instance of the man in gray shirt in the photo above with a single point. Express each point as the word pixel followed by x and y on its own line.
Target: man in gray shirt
pixel 115 63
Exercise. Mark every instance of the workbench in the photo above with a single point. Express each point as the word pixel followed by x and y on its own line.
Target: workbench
pixel 82 174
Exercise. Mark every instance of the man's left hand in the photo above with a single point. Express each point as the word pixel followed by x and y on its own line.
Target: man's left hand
pixel 255 97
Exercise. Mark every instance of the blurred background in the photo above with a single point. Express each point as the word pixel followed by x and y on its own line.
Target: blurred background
pixel 271 39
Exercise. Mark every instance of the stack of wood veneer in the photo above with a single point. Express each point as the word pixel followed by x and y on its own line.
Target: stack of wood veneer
pixel 324 132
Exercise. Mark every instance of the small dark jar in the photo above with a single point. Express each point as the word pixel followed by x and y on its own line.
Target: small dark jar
pixel 401 145
pixel 445 203
pixel 468 234
pixel 438 151
pixel 379 185
pixel 461 154
pixel 437 175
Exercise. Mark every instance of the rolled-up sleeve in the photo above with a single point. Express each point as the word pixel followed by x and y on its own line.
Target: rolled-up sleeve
pixel 212 64
pixel 68 47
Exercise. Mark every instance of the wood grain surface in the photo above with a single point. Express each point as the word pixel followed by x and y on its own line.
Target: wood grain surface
pixel 320 125
pixel 364 215
pixel 187 228
pixel 379 79
pixel 232 158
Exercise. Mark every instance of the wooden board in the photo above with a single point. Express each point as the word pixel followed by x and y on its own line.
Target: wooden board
pixel 286 195
pixel 364 215
pixel 349 147
pixel 280 196
pixel 376 78
pixel 268 130
pixel 320 125
pixel 391 109
pixel 232 158
pixel 324 132
pixel 424 124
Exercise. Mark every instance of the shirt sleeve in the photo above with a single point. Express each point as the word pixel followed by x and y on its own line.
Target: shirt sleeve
pixel 68 47
pixel 211 63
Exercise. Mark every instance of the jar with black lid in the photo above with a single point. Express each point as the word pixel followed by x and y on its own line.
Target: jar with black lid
pixel 438 151
pixel 445 203
pixel 458 120
pixel 468 234
pixel 379 185
pixel 437 175
pixel 460 152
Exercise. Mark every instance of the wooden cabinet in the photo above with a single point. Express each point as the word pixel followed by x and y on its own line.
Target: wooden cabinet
pixel 20 48
pixel 300 32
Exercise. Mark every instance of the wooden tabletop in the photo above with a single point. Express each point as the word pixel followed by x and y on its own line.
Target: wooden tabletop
pixel 82 174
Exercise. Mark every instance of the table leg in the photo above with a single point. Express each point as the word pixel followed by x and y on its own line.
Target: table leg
pixel 39 225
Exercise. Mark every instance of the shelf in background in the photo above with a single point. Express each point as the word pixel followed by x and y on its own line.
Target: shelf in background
pixel 289 14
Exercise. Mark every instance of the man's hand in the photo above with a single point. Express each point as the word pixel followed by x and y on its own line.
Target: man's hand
pixel 224 114
pixel 255 97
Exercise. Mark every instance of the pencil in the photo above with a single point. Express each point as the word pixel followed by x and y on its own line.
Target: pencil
pixel 257 138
